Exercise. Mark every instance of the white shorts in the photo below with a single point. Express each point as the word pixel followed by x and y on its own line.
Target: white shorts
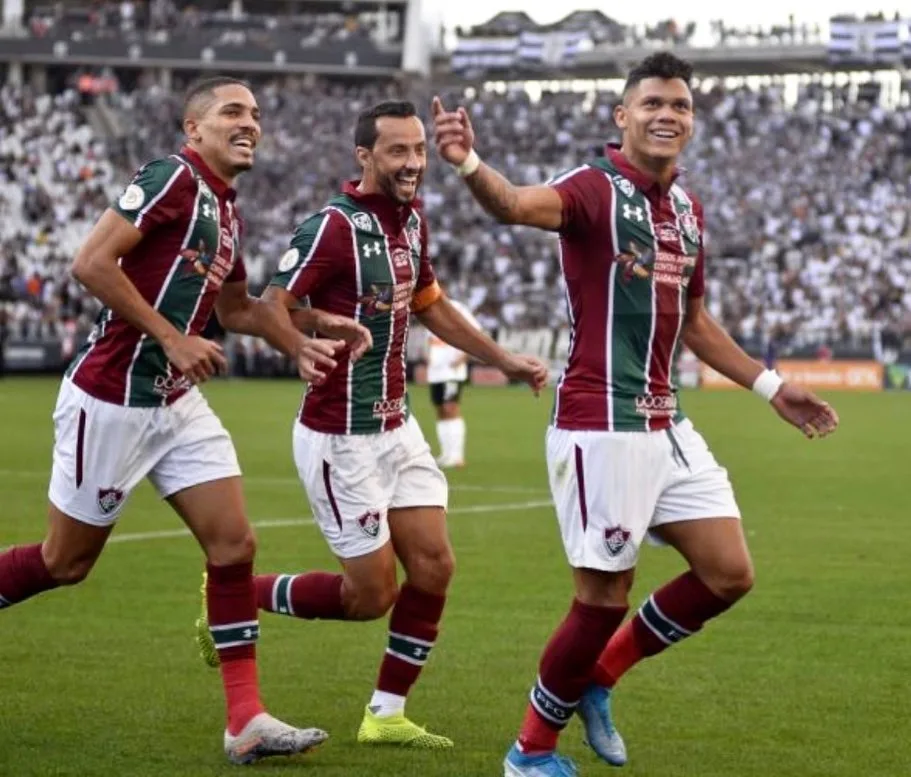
pixel 102 451
pixel 610 488
pixel 352 481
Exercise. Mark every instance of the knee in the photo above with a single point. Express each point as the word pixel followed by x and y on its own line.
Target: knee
pixel 368 603
pixel 734 581
pixel 237 549
pixel 67 570
pixel 432 570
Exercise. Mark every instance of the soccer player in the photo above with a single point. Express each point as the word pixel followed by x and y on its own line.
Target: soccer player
pixel 623 460
pixel 376 492
pixel 447 373
pixel 161 259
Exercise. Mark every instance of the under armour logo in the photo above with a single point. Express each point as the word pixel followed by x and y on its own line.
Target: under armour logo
pixel 630 213
pixel 421 652
pixel 248 633
pixel 372 248
pixel 207 211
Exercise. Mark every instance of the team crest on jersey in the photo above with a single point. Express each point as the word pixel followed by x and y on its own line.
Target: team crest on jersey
pixel 369 523
pixel 378 299
pixel 624 185
pixel 690 225
pixel 615 540
pixel 636 262
pixel 109 499
pixel 414 239
pixel 363 221
pixel 198 260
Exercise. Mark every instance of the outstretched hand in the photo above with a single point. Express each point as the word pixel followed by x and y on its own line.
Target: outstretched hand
pixel 315 358
pixel 452 132
pixel 803 409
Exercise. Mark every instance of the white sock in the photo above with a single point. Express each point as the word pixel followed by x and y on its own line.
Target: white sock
pixel 384 705
pixel 458 439
pixel 446 437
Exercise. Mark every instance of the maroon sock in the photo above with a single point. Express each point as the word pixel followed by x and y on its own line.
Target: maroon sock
pixel 673 613
pixel 23 574
pixel 413 629
pixel 313 595
pixel 565 671
pixel 232 613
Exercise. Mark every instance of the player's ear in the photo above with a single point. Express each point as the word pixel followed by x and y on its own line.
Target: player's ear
pixel 620 116
pixel 191 129
pixel 363 157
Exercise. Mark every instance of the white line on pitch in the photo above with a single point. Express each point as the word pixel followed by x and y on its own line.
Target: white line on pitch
pixel 279 523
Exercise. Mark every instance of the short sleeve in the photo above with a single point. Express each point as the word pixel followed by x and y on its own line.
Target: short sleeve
pixel 161 191
pixel 426 290
pixel 586 196
pixel 696 287
pixel 314 255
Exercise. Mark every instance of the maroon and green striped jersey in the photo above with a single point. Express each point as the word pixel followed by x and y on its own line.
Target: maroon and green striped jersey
pixel 363 256
pixel 631 255
pixel 190 246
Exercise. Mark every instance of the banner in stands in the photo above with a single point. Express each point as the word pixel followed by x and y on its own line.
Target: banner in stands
pixel 874 41
pixel 835 375
pixel 32 356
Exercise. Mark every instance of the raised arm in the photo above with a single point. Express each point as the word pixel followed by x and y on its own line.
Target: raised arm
pixel 533 206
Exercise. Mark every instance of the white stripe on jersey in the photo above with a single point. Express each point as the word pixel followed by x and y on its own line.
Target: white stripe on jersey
pixel 611 281
pixel 651 334
pixel 319 233
pixel 566 176
pixel 681 294
pixel 151 204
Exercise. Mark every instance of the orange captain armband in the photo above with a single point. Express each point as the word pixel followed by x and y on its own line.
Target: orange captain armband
pixel 426 297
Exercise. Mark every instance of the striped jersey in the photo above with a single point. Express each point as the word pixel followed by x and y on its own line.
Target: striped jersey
pixel 631 256
pixel 363 256
pixel 189 248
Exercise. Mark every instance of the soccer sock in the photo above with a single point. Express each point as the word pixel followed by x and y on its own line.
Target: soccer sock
pixel 231 598
pixel 674 612
pixel 458 439
pixel 311 596
pixel 446 438
pixel 23 574
pixel 413 628
pixel 564 673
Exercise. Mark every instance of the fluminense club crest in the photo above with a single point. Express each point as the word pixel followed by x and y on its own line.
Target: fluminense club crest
pixel 615 540
pixel 690 226
pixel 369 523
pixel 109 499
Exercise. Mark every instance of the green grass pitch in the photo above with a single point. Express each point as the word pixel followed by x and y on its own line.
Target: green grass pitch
pixel 807 677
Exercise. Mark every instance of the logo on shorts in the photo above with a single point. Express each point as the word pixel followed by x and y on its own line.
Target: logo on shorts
pixel 370 523
pixel 109 499
pixel 615 540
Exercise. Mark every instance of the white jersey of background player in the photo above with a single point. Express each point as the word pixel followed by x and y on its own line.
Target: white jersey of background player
pixel 447 372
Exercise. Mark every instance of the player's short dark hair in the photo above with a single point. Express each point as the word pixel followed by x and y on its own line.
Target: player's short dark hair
pixel 365 131
pixel 203 90
pixel 661 64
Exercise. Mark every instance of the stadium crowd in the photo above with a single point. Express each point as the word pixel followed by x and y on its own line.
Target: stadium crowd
pixel 808 240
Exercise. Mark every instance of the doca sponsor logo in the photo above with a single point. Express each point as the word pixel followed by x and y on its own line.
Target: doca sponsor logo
pixel 651 405
pixel 383 408
pixel 165 385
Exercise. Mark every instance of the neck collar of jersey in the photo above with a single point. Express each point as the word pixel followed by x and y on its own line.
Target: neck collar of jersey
pixel 221 189
pixel 640 179
pixel 384 206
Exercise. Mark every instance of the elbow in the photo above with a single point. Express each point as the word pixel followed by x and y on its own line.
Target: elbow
pixel 84 269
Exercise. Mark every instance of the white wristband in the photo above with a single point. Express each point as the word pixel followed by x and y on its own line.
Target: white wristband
pixel 767 384
pixel 470 165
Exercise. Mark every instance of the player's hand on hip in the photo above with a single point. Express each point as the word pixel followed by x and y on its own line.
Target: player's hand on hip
pixel 452 132
pixel 803 409
pixel 197 358
pixel 315 358
pixel 355 335
pixel 526 369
